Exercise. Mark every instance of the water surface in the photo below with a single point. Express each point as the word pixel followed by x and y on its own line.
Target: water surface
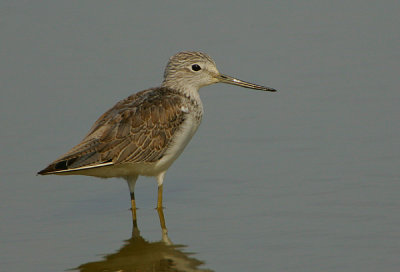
pixel 305 179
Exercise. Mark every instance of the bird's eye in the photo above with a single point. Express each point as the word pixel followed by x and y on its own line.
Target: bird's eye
pixel 196 67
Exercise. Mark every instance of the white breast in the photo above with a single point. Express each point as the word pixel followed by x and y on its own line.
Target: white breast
pixel 181 139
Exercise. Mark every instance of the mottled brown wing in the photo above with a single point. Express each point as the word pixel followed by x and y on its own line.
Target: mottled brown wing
pixel 137 129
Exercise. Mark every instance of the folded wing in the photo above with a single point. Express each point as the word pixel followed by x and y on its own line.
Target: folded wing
pixel 138 129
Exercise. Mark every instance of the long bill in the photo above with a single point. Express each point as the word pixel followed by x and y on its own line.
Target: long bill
pixel 234 81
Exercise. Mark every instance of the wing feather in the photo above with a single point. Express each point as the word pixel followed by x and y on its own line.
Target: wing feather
pixel 138 129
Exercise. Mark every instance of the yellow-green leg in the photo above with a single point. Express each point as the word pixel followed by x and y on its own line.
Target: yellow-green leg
pixel 159 198
pixel 162 220
pixel 160 179
pixel 131 183
pixel 133 208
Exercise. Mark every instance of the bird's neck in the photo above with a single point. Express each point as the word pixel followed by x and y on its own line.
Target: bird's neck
pixel 189 91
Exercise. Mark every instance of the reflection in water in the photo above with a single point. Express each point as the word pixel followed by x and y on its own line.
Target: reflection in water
pixel 137 254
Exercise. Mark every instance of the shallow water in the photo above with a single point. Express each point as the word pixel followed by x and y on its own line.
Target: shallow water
pixel 305 179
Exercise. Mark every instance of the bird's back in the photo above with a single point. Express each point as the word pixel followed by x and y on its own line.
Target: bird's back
pixel 141 131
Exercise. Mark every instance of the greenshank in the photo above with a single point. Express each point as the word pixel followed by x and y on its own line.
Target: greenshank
pixel 145 133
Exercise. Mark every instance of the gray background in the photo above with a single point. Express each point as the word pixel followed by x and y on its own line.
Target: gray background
pixel 306 179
